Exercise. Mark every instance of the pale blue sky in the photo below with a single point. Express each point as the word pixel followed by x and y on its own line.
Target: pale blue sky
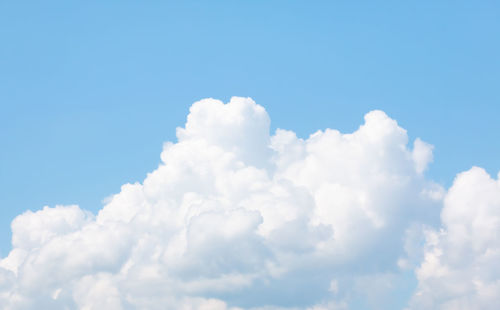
pixel 90 90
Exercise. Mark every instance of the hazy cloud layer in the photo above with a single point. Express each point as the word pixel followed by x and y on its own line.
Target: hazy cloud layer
pixel 237 218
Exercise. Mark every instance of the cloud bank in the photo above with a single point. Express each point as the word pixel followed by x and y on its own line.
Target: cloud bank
pixel 237 218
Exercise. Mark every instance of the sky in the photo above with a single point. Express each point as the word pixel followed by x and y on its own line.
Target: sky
pixel 90 91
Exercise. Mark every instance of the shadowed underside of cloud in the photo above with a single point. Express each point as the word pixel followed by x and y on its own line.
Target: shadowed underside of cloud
pixel 237 218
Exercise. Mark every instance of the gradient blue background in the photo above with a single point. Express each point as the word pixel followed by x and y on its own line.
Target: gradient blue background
pixel 89 90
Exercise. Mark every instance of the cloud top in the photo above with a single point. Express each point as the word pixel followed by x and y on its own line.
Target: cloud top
pixel 237 218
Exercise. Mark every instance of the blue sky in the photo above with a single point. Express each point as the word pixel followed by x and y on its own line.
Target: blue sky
pixel 89 90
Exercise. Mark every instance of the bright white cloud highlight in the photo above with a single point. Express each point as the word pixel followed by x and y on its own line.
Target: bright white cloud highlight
pixel 236 218
pixel 461 267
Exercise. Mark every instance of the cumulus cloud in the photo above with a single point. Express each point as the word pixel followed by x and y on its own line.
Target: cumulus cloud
pixel 461 268
pixel 238 218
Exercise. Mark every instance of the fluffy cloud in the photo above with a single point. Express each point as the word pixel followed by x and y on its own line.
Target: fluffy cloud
pixel 461 268
pixel 237 218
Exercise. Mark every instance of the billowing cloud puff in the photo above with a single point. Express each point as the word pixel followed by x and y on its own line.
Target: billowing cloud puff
pixel 461 266
pixel 237 218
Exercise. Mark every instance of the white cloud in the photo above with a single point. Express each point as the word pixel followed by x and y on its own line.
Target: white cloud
pixel 461 266
pixel 237 218
pixel 422 155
